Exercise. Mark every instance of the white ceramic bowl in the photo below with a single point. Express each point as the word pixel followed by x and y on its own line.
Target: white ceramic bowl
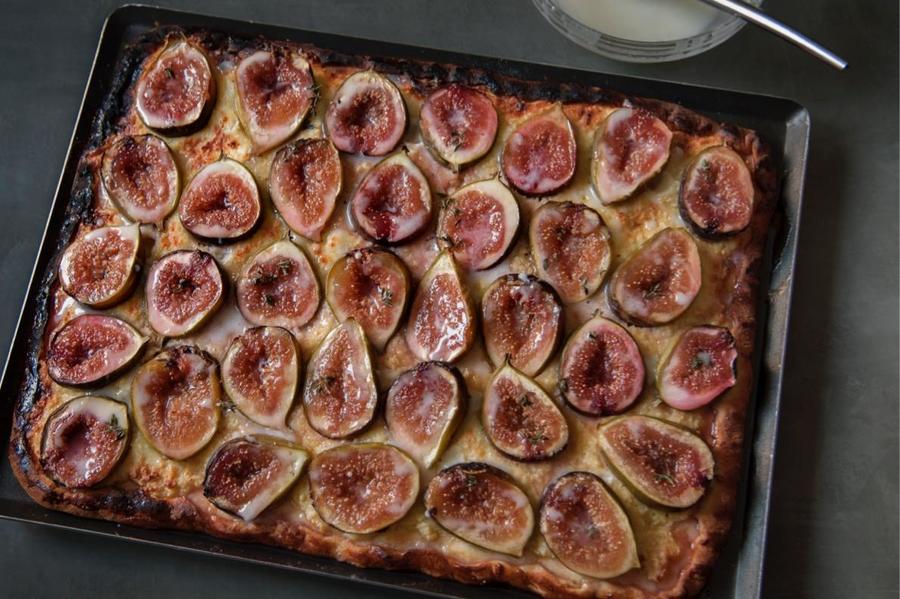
pixel 720 29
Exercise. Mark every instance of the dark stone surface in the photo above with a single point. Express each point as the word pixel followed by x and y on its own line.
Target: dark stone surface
pixel 834 529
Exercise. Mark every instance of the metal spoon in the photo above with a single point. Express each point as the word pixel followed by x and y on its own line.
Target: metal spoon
pixel 757 17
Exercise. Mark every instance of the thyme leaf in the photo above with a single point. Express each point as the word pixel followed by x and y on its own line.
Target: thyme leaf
pixel 665 477
pixel 537 437
pixel 116 427
pixel 321 384
pixel 284 267
pixel 654 290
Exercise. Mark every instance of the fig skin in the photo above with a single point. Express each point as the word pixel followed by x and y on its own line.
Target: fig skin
pixel 710 372
pixel 398 401
pixel 133 154
pixel 454 107
pixel 671 303
pixel 208 202
pixel 550 129
pixel 280 72
pixel 78 356
pixel 429 297
pixel 389 187
pixel 680 463
pixel 710 164
pixel 578 232
pixel 104 258
pixel 268 286
pixel 101 423
pixel 608 384
pixel 457 494
pixel 358 92
pixel 603 154
pixel 340 476
pixel 475 206
pixel 201 83
pixel 505 304
pixel 175 376
pixel 169 275
pixel 534 428
pixel 320 395
pixel 380 301
pixel 258 470
pixel 270 354
pixel 576 514
pixel 299 179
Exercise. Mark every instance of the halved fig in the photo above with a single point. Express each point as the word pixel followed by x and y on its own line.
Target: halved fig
pixel 304 184
pixel 184 288
pixel 522 322
pixel 658 282
pixel 260 373
pixel 340 396
pixel 175 400
pixel 478 223
pixel 246 475
pixel 393 201
pixel 83 440
pixel 140 175
pixel 369 285
pixel 99 269
pixel 221 202
pixel 571 249
pixel 601 371
pixel 366 115
pixel 424 407
pixel 459 124
pixel 716 195
pixel 482 505
pixel 275 91
pixel 662 463
pixel 586 528
pixel 441 320
pixel 520 419
pixel 278 287
pixel 177 91
pixel 363 488
pixel 539 156
pixel 630 148
pixel 92 348
pixel 698 368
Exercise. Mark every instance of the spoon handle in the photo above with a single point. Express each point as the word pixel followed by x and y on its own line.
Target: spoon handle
pixel 757 17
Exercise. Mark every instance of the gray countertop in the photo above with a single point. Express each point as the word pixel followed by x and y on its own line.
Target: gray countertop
pixel 834 531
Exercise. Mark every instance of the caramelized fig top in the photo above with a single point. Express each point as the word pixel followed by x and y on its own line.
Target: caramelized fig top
pixel 176 92
pixel 276 90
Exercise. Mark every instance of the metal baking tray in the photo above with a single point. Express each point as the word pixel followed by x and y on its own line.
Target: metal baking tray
pixel 784 124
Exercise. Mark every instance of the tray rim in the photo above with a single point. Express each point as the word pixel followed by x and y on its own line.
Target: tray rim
pixel 771 348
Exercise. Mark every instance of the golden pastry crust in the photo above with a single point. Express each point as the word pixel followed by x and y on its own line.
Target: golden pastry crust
pixel 677 549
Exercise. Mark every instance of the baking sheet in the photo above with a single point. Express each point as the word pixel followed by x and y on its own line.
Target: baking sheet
pixel 783 123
